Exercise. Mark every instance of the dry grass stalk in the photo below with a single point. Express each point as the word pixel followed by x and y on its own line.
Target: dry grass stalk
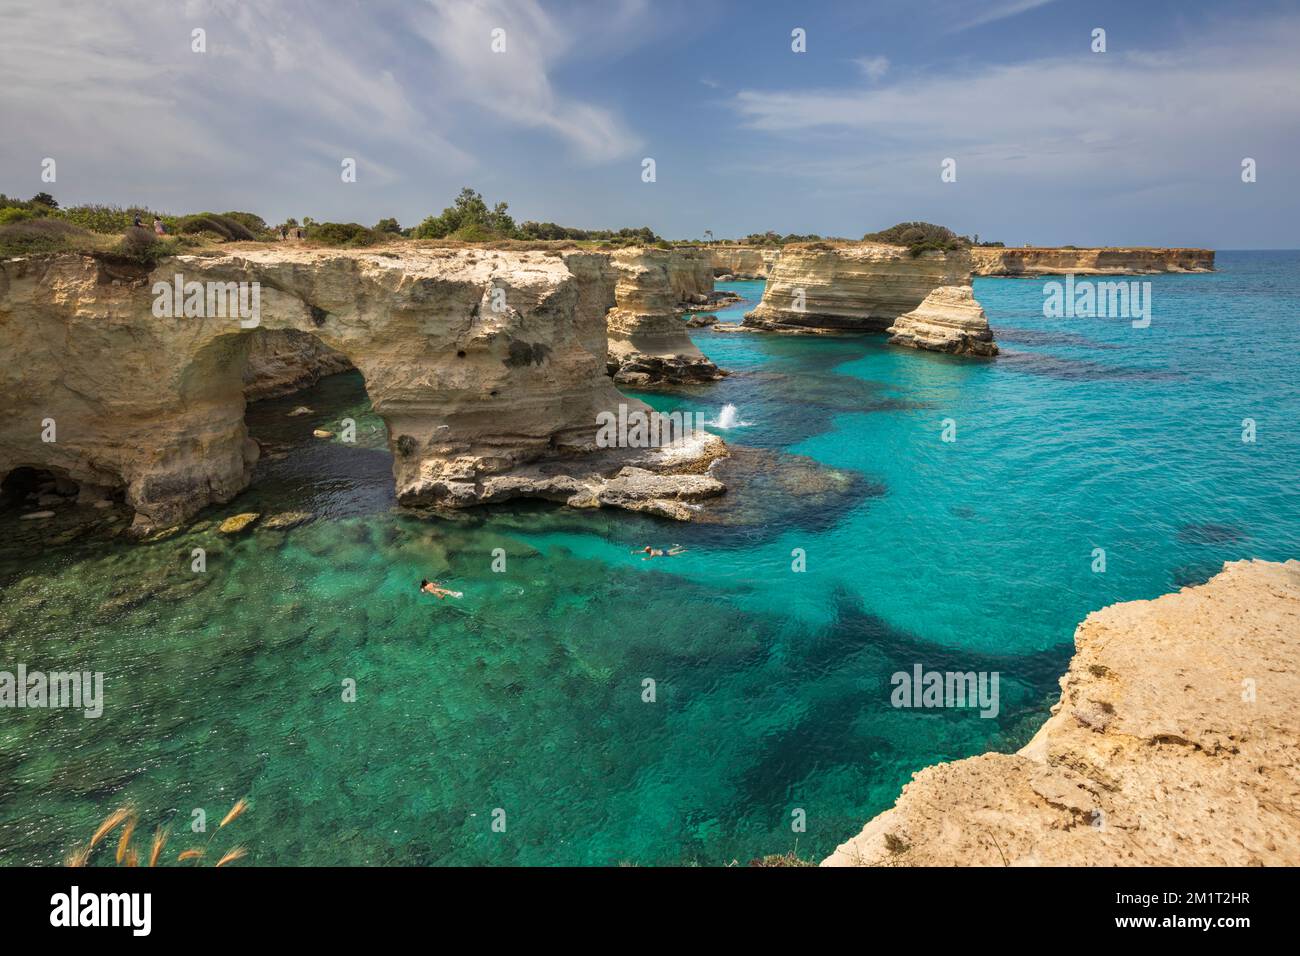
pixel 238 853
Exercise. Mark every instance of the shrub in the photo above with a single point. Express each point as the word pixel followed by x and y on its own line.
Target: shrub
pixel 42 235
pixel 254 223
pixel 107 219
pixel 341 234
pixel 389 226
pixel 230 230
pixel 141 246
pixel 15 214
pixel 919 237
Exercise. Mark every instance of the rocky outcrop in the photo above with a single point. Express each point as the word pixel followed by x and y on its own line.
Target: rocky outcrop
pixel 690 273
pixel 991 261
pixel 648 341
pixel 283 362
pixel 743 262
pixel 484 364
pixel 1173 743
pixel 949 320
pixel 856 287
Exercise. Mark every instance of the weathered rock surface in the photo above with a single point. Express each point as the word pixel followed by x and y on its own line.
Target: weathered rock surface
pixel 743 262
pixel 285 361
pixel 1174 743
pixel 479 361
pixel 991 261
pixel 237 523
pixel 648 341
pixel 690 273
pixel 852 287
pixel 949 320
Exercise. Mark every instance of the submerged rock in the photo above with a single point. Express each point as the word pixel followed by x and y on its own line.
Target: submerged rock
pixel 238 523
pixel 322 433
pixel 36 515
pixel 286 519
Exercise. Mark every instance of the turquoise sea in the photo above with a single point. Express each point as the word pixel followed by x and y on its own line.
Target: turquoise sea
pixel 772 687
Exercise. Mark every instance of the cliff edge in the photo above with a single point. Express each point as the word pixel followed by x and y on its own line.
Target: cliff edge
pixel 1174 743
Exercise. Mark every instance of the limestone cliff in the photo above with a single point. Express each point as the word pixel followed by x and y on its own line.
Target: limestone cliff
pixel 648 340
pixel 991 261
pixel 285 361
pixel 868 287
pixel 482 363
pixel 743 262
pixel 690 273
pixel 1173 743
pixel 949 320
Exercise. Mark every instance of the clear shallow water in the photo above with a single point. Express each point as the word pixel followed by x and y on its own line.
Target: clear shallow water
pixel 773 687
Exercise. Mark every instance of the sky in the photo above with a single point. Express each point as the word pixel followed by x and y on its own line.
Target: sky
pixel 1053 143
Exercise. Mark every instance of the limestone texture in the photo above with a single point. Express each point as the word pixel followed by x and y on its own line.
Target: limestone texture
pixel 949 320
pixel 481 362
pixel 1174 742
pixel 993 261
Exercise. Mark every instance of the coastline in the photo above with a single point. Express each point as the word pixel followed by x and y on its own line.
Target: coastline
pixel 1171 744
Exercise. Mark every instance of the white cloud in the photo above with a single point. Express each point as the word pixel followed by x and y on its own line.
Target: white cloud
pixel 1112 116
pixel 515 85
pixel 873 67
pixel 993 12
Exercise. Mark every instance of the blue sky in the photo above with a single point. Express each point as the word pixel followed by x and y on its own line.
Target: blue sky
pixel 1054 144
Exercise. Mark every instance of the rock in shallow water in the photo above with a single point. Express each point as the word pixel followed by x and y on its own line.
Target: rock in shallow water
pixel 286 519
pixel 238 523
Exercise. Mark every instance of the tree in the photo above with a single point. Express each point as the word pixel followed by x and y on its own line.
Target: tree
pixel 45 199
pixel 388 225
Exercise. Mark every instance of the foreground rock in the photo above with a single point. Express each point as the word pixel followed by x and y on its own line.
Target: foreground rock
pixel 481 363
pixel 648 341
pixel 991 261
pixel 1173 743
pixel 855 287
pixel 668 481
pixel 949 320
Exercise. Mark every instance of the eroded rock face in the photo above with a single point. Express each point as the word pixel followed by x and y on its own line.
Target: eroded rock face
pixel 1173 743
pixel 285 361
pixel 480 362
pixel 988 261
pixel 743 262
pixel 949 320
pixel 648 341
pixel 690 273
pixel 859 287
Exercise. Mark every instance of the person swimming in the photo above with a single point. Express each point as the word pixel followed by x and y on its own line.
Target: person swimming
pixel 437 590
pixel 649 552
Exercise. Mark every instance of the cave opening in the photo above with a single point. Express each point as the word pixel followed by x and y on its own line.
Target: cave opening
pixel 322 448
pixel 28 486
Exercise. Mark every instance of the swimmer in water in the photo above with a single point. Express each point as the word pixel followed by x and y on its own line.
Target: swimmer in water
pixel 437 590
pixel 649 552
